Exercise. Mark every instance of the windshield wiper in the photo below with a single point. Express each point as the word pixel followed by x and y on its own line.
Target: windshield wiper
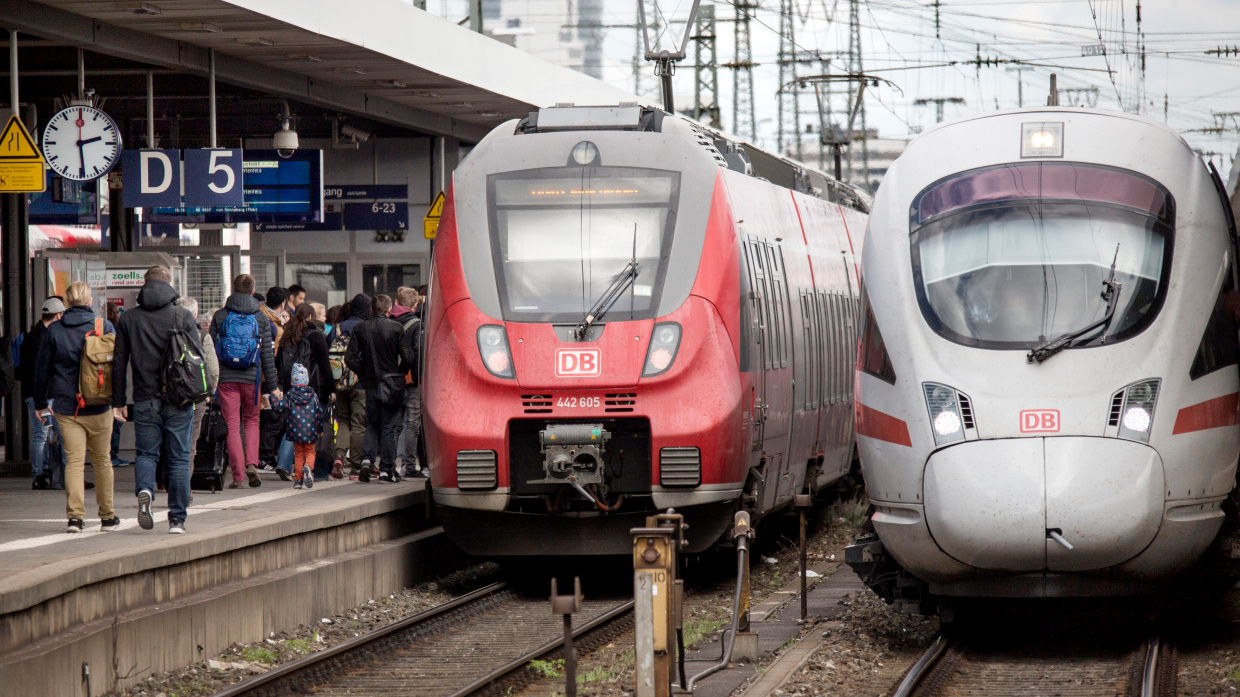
pixel 621 283
pixel 1110 293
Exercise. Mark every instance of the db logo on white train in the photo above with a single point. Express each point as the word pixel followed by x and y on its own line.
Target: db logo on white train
pixel 578 363
pixel 1039 421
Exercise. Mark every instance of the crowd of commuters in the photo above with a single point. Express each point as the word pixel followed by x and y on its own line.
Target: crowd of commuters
pixel 303 390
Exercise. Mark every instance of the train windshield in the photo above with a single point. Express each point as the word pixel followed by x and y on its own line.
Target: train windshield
pixel 561 236
pixel 1013 256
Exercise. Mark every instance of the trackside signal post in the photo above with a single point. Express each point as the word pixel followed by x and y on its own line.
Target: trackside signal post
pixel 658 596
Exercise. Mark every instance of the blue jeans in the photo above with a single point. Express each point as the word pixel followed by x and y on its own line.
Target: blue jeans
pixel 158 425
pixel 284 456
pixel 41 460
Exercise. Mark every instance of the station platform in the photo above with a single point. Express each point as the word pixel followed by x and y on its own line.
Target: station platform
pixel 129 603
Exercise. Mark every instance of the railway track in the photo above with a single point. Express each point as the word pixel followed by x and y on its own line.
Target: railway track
pixel 479 643
pixel 1120 667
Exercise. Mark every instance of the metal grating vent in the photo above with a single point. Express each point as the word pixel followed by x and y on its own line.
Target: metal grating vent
pixel 536 403
pixel 1117 406
pixel 475 470
pixel 680 466
pixel 619 402
pixel 966 411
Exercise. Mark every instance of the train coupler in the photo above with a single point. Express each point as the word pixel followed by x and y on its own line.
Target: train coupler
pixel 882 574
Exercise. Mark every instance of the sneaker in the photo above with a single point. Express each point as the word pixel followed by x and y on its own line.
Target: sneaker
pixel 423 473
pixel 266 467
pixel 176 527
pixel 117 462
pixel 252 473
pixel 284 475
pixel 337 470
pixel 40 482
pixel 145 521
pixel 308 476
pixel 297 484
pixel 387 476
pixel 75 525
pixel 110 523
pixel 236 485
pixel 90 485
pixel 363 475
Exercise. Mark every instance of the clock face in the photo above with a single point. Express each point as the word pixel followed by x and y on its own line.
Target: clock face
pixel 81 143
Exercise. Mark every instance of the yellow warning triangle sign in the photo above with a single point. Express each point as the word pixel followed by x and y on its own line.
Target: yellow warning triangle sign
pixel 16 143
pixel 436 211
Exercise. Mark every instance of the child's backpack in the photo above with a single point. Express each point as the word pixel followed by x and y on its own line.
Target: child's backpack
pixel 238 344
pixel 183 372
pixel 95 369
pixel 345 378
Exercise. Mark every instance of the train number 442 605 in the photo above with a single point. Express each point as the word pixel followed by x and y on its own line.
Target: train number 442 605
pixel 578 402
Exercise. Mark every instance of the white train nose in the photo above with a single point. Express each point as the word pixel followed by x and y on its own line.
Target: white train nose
pixel 994 504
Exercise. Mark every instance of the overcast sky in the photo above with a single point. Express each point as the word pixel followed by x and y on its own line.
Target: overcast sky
pixel 899 43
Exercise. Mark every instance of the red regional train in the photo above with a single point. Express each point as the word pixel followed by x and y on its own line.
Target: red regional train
pixel 629 312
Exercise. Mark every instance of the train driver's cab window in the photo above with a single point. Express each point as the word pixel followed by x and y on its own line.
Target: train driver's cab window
pixel 1013 256
pixel 563 237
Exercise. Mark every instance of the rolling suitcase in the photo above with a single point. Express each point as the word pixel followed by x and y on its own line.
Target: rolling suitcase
pixel 212 457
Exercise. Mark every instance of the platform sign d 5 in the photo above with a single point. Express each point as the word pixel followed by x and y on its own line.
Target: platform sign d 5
pixel 213 178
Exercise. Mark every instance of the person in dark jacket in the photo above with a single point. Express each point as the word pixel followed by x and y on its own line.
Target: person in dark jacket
pixel 114 316
pixel 350 405
pixel 406 312
pixel 81 426
pixel 239 388
pixel 374 355
pixel 46 475
pixel 141 334
pixel 303 342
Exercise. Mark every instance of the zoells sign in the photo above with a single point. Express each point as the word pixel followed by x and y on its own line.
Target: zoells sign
pixel 126 278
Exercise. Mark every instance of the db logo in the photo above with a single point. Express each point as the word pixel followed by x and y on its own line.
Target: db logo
pixel 577 363
pixel 1039 421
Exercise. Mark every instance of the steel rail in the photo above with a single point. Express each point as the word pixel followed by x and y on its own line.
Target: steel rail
pixel 922 667
pixel 1149 674
pixel 355 643
pixel 517 663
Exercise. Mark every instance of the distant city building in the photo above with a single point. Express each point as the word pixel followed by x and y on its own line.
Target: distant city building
pixel 564 32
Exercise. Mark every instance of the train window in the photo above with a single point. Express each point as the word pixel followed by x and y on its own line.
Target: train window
pixel 1021 260
pixel 779 307
pixel 1219 346
pixel 763 296
pixel 561 236
pixel 874 359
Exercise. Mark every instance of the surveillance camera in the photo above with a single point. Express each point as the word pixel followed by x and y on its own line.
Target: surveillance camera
pixel 356 134
pixel 284 141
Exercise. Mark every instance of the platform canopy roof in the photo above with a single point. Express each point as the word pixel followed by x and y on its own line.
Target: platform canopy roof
pixel 380 59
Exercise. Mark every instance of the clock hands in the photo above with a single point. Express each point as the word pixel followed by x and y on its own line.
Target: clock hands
pixel 89 140
pixel 81 150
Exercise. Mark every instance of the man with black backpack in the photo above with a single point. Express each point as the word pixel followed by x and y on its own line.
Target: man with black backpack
pixel 160 338
pixel 374 355
pixel 245 347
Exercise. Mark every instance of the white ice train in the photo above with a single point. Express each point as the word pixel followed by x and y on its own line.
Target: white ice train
pixel 1046 391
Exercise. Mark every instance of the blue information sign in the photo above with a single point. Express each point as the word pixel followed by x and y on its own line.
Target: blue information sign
pixel 380 215
pixel 213 178
pixel 152 178
pixel 367 192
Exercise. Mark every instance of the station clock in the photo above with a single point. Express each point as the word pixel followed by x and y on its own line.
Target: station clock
pixel 81 143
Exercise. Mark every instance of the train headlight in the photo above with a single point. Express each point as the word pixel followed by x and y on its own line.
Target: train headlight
pixel 1138 410
pixel 664 343
pixel 1041 139
pixel 944 408
pixel 493 346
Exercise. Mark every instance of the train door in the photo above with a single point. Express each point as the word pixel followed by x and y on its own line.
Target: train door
pixel 759 296
pixel 780 387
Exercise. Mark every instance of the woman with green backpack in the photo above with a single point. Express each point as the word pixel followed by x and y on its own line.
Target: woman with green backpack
pixel 73 383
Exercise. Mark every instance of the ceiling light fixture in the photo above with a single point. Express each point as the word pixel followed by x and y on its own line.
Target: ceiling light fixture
pixel 205 27
pixel 392 83
pixel 257 41
pixel 141 8
pixel 306 57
